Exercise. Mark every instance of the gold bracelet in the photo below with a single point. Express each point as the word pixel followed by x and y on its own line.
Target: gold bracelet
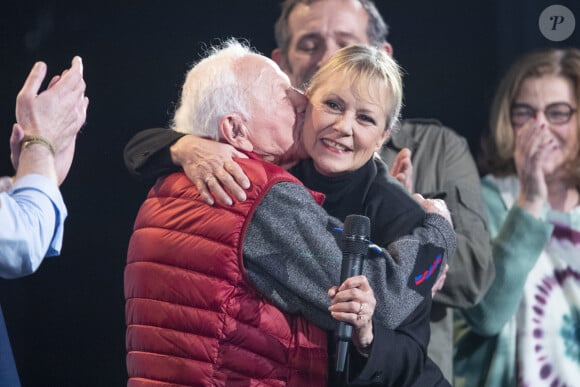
pixel 29 140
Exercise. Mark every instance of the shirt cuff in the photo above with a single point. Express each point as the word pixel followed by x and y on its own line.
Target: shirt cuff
pixel 50 190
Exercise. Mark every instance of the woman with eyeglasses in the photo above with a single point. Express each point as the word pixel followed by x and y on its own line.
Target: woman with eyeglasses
pixel 526 330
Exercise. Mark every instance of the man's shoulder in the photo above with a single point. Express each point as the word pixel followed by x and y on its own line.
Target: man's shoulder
pixel 263 172
pixel 427 138
pixel 427 128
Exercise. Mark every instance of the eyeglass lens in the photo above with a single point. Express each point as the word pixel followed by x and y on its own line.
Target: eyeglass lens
pixel 556 113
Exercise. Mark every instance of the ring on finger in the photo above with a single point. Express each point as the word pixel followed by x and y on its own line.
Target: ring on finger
pixel 208 178
pixel 361 308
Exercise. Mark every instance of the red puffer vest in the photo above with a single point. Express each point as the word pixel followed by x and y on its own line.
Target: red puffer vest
pixel 193 317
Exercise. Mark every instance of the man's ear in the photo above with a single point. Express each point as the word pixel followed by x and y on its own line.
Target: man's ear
pixel 277 57
pixel 235 132
pixel 388 48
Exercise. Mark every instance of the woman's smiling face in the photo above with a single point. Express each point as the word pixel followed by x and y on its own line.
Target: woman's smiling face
pixel 345 123
pixel 550 91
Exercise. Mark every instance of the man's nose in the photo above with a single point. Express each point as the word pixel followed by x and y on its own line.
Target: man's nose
pixel 329 49
pixel 298 100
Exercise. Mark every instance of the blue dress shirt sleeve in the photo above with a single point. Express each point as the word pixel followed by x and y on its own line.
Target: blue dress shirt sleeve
pixel 32 218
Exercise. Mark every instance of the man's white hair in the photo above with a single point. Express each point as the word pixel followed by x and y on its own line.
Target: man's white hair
pixel 212 89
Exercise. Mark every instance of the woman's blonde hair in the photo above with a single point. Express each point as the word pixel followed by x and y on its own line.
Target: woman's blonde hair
pixel 366 67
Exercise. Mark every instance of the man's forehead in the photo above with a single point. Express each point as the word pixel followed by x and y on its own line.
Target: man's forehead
pixel 260 68
pixel 342 18
pixel 257 63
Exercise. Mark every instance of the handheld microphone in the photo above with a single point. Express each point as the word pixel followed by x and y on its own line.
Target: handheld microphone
pixel 354 246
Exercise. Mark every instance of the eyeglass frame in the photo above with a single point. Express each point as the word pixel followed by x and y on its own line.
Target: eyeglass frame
pixel 545 111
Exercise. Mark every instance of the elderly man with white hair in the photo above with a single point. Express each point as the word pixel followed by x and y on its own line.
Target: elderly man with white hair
pixel 201 305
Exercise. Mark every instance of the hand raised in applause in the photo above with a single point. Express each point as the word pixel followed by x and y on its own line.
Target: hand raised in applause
pixel 402 169
pixel 532 146
pixel 55 114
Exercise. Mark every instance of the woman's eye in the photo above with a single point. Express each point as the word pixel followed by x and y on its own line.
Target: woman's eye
pixel 332 105
pixel 366 118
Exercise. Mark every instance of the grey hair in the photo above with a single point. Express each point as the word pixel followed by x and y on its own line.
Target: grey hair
pixel 212 89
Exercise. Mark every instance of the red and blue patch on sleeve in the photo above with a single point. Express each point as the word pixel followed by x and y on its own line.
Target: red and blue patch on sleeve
pixel 428 273
pixel 427 266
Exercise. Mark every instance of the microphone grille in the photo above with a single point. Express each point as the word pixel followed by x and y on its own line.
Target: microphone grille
pixel 356 234
pixel 357 225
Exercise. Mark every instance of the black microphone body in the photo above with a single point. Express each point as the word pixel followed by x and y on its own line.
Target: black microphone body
pixel 354 246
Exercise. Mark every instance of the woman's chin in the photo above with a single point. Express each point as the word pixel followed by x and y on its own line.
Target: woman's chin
pixel 327 169
pixel 554 172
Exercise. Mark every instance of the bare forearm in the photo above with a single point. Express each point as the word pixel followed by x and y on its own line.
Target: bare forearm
pixel 36 159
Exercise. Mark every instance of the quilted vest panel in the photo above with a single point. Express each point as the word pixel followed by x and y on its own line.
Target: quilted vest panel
pixel 192 316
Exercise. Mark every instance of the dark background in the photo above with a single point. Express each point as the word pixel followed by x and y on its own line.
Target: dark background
pixel 66 322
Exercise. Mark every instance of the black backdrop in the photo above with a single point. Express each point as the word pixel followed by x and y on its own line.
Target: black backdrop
pixel 67 321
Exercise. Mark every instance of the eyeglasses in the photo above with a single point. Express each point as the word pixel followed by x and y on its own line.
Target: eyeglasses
pixel 556 113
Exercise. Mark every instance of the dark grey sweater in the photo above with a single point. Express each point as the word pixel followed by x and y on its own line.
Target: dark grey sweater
pixel 293 258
